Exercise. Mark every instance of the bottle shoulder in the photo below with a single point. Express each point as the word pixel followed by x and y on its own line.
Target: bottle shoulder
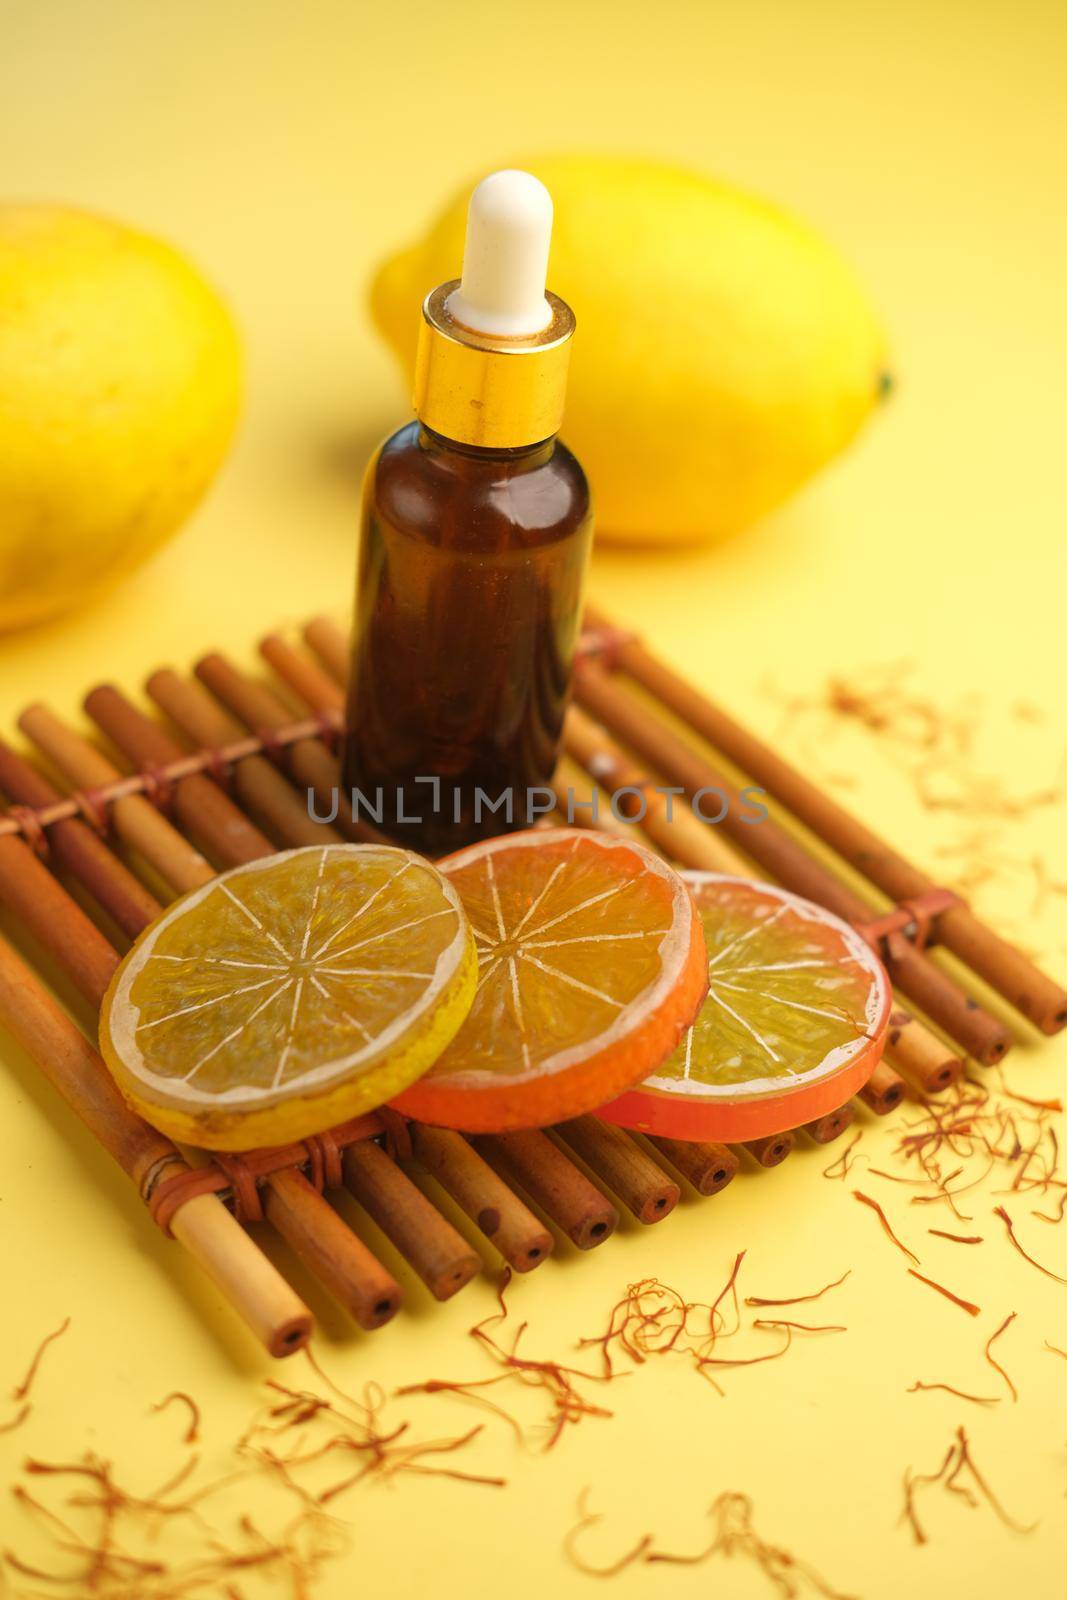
pixel 425 487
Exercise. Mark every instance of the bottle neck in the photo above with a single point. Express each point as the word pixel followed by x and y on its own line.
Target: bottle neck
pixel 520 456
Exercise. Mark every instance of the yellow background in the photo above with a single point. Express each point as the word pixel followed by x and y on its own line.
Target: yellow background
pixel 288 147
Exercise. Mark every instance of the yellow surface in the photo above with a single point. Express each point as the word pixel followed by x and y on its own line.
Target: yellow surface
pixel 287 148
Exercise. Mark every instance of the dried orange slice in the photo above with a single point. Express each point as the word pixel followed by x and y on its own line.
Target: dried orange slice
pixel 591 967
pixel 794 1022
pixel 289 994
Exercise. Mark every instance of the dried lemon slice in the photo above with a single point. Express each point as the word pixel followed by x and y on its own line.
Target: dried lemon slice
pixel 592 966
pixel 794 1022
pixel 289 994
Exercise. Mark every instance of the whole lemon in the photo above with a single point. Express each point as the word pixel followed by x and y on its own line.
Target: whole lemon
pixel 119 383
pixel 725 351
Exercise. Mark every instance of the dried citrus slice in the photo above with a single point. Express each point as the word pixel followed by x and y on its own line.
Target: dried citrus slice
pixel 289 994
pixel 591 967
pixel 794 1022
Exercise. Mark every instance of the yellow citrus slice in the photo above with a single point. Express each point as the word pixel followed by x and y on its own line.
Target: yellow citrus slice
pixel 591 967
pixel 289 994
pixel 793 1024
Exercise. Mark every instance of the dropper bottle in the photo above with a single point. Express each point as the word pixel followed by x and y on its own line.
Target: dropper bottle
pixel 477 523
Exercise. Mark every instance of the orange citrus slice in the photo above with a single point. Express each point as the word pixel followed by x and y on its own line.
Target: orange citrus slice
pixel 794 1022
pixel 289 994
pixel 591 967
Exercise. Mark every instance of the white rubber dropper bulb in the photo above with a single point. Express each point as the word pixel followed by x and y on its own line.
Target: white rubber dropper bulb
pixel 505 259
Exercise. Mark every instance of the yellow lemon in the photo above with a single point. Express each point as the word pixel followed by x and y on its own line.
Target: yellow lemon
pixel 725 351
pixel 119 383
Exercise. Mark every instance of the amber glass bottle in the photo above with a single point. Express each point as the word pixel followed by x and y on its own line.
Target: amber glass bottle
pixel 468 609
pixel 476 531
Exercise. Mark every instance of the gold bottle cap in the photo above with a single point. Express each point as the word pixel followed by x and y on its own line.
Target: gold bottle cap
pixel 479 389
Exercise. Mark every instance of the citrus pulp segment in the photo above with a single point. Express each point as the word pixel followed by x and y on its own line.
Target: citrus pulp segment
pixel 591 966
pixel 289 994
pixel 794 1021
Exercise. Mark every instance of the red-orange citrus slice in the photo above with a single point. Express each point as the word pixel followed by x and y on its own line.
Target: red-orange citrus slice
pixel 794 1022
pixel 591 967
pixel 289 994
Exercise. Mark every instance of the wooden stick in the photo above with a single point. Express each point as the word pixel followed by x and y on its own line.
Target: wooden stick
pixel 982 1035
pixel 708 1167
pixel 200 806
pixel 825 1129
pixel 315 687
pixel 883 1090
pixel 511 1226
pixel 573 785
pixel 81 851
pixel 441 1256
pixel 55 921
pixel 135 820
pixel 330 644
pixel 309 761
pixel 257 783
pixel 324 1242
pixel 923 1058
pixel 642 1186
pixel 1000 964
pixel 554 1184
pixel 772 1151
pixel 667 820
pixel 254 1288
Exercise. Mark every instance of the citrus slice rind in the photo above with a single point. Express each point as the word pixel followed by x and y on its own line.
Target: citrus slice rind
pixel 289 994
pixel 794 1022
pixel 591 967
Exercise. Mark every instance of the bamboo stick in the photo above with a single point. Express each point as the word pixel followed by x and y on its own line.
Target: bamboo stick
pixel 80 850
pixel 200 806
pixel 511 1226
pixel 55 921
pixel 257 783
pixel 1006 969
pixel 825 1129
pixel 330 644
pixel 882 1091
pixel 315 687
pixel 784 857
pixel 772 1151
pixel 667 821
pixel 574 794
pixel 309 762
pixel 137 822
pixel 203 1226
pixel 921 1056
pixel 707 1167
pixel 554 1184
pixel 643 1187
pixel 324 1242
pixel 441 1256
